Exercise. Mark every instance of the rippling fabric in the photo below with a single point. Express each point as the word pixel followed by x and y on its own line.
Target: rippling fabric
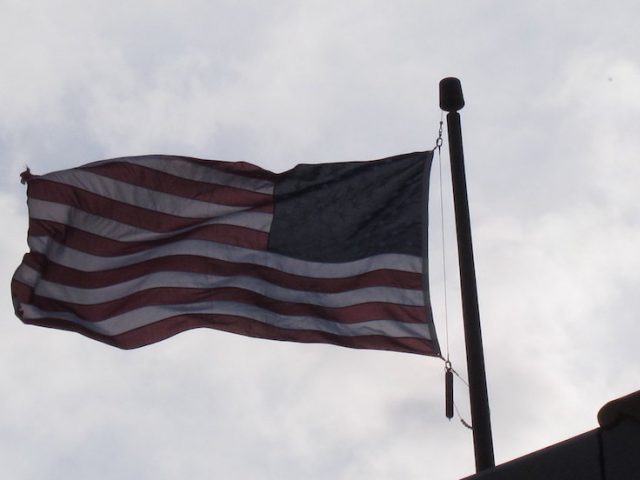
pixel 133 250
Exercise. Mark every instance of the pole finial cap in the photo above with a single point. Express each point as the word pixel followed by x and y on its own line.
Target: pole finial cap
pixel 451 99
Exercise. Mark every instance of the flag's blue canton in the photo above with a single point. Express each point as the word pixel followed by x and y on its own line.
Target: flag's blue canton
pixel 340 212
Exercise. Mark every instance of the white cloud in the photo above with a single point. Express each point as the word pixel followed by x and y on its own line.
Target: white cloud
pixel 552 108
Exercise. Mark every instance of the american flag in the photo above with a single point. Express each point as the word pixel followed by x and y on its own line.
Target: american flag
pixel 133 250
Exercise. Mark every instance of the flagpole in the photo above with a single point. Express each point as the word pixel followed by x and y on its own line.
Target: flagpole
pixel 451 100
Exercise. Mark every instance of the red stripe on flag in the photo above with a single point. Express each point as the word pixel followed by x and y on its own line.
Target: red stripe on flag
pixel 235 324
pixel 115 210
pixel 237 168
pixel 195 264
pixel 164 182
pixel 20 291
pixel 175 296
pixel 106 247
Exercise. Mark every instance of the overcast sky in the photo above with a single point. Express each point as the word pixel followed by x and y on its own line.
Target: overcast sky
pixel 552 150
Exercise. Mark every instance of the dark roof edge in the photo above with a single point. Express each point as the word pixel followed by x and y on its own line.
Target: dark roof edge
pixel 616 410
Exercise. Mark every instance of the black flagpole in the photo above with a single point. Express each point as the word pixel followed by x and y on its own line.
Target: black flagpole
pixel 451 101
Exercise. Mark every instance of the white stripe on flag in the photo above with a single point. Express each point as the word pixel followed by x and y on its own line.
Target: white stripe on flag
pixel 141 197
pixel 91 296
pixel 78 260
pixel 114 230
pixel 154 313
pixel 190 170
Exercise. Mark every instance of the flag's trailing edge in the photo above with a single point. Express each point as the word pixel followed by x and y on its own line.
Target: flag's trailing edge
pixel 133 250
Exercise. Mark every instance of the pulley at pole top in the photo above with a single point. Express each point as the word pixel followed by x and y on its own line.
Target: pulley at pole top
pixel 451 99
